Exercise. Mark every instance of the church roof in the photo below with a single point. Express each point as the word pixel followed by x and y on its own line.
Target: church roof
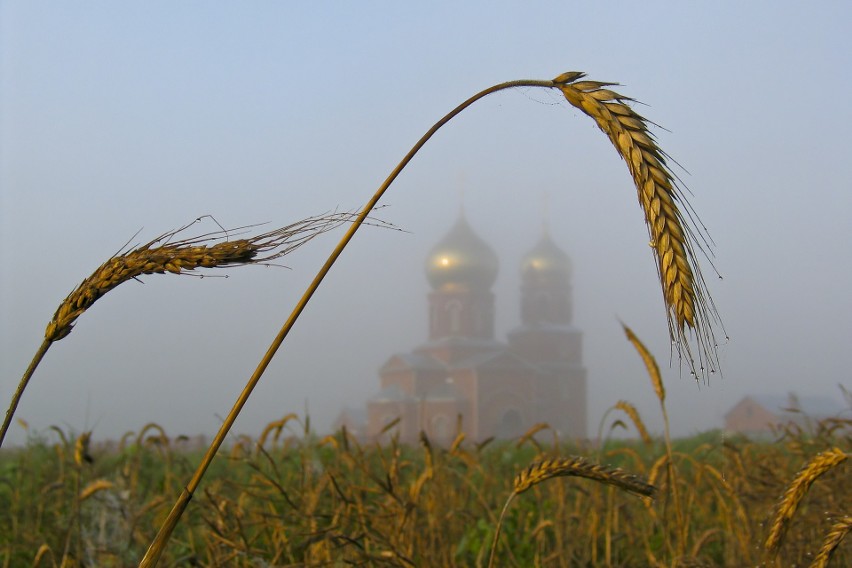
pixel 546 260
pixel 411 361
pixel 811 406
pixel 390 393
pixel 462 259
pixel 503 359
pixel 545 327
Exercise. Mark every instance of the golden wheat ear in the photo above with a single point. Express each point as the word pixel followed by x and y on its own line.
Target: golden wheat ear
pixel 673 240
pixel 580 467
pixel 796 491
pixel 573 466
pixel 835 536
pixel 165 254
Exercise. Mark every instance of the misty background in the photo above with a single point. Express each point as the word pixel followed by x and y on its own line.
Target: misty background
pixel 116 117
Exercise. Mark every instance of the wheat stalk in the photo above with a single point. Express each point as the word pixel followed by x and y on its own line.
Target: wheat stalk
pixel 631 411
pixel 576 466
pixel 657 381
pixel 165 255
pixel 832 540
pixel 573 466
pixel 686 298
pixel 816 467
pixel 94 487
pixel 685 294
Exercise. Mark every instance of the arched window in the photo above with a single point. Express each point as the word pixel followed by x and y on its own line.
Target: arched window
pixel 511 425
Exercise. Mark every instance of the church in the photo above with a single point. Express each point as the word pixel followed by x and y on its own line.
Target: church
pixel 464 379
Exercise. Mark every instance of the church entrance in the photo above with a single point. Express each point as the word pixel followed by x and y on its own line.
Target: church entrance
pixel 511 425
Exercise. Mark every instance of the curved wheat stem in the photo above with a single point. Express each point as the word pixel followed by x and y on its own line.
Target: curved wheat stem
pixel 688 304
pixel 687 301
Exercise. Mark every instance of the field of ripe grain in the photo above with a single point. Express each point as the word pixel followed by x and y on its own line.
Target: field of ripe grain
pixel 290 498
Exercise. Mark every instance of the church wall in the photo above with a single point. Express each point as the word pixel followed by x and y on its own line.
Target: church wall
pixel 439 419
pixel 459 312
pixel 506 404
pixel 404 380
pixel 381 413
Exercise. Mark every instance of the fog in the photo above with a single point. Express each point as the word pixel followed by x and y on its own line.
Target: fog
pixel 116 117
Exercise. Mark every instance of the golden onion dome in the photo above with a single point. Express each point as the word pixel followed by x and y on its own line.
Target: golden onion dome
pixel 546 261
pixel 462 259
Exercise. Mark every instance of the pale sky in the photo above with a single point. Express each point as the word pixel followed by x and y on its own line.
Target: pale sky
pixel 116 116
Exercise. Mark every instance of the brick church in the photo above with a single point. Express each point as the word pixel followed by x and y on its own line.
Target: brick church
pixel 462 376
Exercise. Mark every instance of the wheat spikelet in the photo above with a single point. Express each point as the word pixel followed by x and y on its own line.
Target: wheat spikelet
pixel 574 466
pixel 650 363
pixel 684 291
pixel 832 540
pixel 81 449
pixel 796 491
pixel 529 435
pixel 42 551
pixel 162 255
pixel 275 429
pixel 94 487
pixel 579 467
pixel 631 411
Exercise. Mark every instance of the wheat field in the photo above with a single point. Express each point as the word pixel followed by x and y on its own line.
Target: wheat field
pixel 288 497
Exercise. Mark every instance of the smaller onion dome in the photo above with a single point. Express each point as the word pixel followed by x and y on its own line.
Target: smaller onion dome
pixel 546 261
pixel 462 259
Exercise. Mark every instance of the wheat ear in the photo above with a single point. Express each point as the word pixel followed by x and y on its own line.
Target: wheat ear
pixel 820 464
pixel 165 255
pixel 673 240
pixel 631 411
pixel 574 466
pixel 832 540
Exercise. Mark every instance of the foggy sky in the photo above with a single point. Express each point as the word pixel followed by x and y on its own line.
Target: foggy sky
pixel 119 116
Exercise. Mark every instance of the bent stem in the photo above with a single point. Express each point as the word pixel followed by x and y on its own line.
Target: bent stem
pixel 16 398
pixel 497 530
pixel 157 547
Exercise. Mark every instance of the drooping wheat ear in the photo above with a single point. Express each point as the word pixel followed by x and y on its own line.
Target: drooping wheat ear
pixel 631 411
pixel 162 255
pixel 574 466
pixel 81 449
pixel 94 487
pixel 666 209
pixel 580 467
pixel 796 491
pixel 650 364
pixel 832 540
